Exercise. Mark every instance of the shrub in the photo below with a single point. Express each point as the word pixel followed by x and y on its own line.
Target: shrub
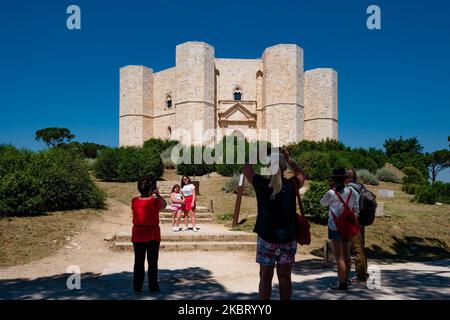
pixel 56 179
pixel 238 156
pixel 232 185
pixel 311 201
pixel 366 177
pixel 166 157
pixel 137 162
pixel 197 165
pixel 107 164
pixel 378 156
pixel 413 176
pixel 64 181
pixel 425 194
pixel 159 145
pixel 319 165
pixel 436 192
pixel 297 149
pixel 410 188
pixel 241 150
pixel 386 175
pixel 20 194
pixel 402 160
pixel 358 159
pixel 442 191
pixel 12 159
pixel 91 150
pixel 128 164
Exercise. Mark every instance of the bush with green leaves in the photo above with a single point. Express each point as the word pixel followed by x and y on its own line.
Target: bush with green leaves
pixel 232 185
pixel 403 160
pixel 425 194
pixel 410 188
pixel 159 145
pixel 386 175
pixel 128 164
pixel 442 191
pixel 65 182
pixel 166 157
pixel 318 165
pixel 299 148
pixel 431 193
pixel 413 176
pixel 311 201
pixel 193 163
pixel 52 180
pixel 358 159
pixel 366 177
pixel 241 152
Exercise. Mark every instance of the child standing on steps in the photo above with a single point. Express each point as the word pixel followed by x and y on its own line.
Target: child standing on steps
pixel 188 190
pixel 177 201
pixel 146 234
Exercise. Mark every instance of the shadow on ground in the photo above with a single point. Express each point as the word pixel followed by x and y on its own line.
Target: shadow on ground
pixel 421 283
pixel 190 283
pixel 409 249
pixel 198 284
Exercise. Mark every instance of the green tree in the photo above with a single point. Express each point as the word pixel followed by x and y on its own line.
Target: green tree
pixel 438 161
pixel 410 145
pixel 53 137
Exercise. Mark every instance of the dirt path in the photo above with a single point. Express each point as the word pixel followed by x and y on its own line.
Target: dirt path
pixel 88 249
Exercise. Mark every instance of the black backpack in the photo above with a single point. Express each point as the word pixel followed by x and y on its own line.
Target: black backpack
pixel 367 204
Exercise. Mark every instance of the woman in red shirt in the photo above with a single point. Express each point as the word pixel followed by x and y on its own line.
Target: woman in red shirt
pixel 146 234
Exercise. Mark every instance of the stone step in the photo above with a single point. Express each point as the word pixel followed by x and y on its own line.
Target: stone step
pixel 199 209
pixel 168 214
pixel 196 246
pixel 199 219
pixel 190 236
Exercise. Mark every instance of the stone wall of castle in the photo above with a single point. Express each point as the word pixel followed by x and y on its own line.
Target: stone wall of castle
pixel 283 91
pixel 321 109
pixel 136 104
pixel 301 105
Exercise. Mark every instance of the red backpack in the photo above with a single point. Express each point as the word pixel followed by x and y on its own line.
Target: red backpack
pixel 347 223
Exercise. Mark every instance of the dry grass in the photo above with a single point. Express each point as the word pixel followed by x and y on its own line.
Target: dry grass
pixel 407 231
pixel 25 239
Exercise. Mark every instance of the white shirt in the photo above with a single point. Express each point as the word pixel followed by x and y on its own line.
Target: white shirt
pixel 188 190
pixel 331 200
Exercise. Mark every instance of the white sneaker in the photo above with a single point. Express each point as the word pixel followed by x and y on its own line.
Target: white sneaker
pixel 184 229
pixel 175 229
pixel 195 229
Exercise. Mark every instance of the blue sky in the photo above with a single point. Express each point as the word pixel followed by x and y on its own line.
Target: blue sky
pixel 394 81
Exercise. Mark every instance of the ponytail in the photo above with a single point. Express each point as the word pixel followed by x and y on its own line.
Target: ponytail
pixel 276 182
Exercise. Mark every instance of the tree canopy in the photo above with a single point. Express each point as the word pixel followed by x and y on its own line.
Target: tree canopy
pixel 53 137
pixel 410 145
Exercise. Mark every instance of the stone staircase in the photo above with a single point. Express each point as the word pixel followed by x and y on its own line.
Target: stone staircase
pixel 211 237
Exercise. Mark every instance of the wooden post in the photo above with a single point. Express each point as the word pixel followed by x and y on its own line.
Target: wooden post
pixel 237 206
pixel 212 206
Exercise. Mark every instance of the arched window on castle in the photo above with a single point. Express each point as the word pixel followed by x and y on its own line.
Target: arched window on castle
pixel 237 94
pixel 168 102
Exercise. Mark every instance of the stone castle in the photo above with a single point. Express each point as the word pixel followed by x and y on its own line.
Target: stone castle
pixel 229 95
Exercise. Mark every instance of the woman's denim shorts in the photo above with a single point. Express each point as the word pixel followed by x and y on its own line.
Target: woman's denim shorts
pixel 333 235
